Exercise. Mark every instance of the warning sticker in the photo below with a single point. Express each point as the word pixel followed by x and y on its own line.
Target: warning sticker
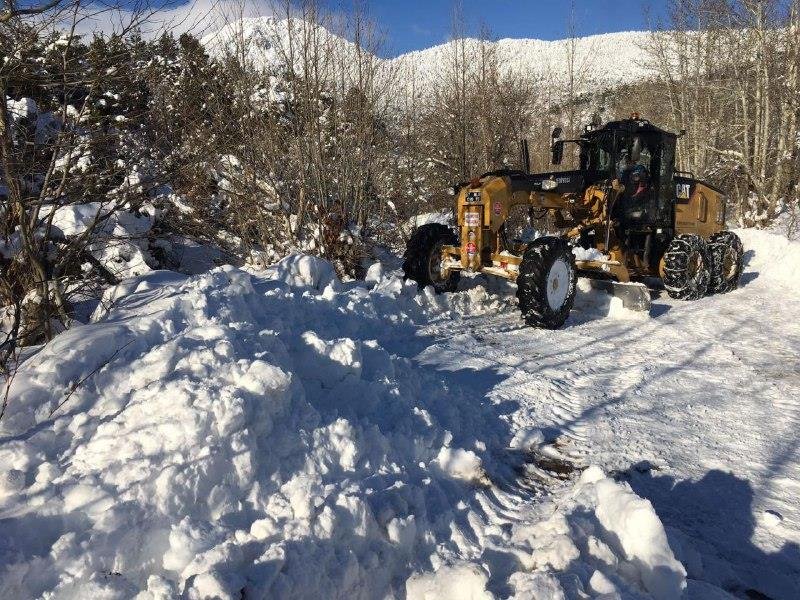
pixel 472 219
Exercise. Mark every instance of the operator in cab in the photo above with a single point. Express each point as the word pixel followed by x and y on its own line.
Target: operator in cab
pixel 632 171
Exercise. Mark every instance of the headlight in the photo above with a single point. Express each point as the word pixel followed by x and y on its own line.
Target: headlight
pixel 549 184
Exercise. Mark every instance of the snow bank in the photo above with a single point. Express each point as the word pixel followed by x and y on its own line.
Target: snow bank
pixel 208 435
pixel 606 535
pixel 772 256
pixel 228 436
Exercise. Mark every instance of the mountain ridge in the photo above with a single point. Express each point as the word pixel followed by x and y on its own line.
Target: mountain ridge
pixel 600 61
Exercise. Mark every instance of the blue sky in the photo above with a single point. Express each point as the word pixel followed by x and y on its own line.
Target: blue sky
pixel 415 24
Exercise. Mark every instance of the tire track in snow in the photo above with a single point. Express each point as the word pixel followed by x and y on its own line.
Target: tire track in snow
pixel 703 393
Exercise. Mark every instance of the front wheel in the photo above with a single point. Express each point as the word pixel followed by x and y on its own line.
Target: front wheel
pixel 423 257
pixel 546 282
pixel 687 267
pixel 726 252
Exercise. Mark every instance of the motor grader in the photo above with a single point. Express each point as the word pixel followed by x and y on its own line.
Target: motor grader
pixel 625 218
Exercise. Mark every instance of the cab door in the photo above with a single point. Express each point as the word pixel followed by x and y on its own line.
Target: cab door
pixel 665 204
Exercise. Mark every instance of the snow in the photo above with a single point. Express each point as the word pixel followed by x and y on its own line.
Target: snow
pixel 285 434
pixel 443 217
pixel 591 304
pixel 46 124
pixel 461 464
pixel 615 533
pixel 588 253
pixel 77 218
pixel 22 108
pixel 304 270
pixel 603 61
pixel 458 582
pixel 527 438
pixel 374 274
pixel 119 235
pixel 632 524
pixel 776 258
pixel 209 433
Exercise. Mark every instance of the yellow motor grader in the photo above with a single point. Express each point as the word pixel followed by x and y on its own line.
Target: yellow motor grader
pixel 624 216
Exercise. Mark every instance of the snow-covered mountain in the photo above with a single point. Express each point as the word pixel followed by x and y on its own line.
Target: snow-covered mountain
pixel 605 60
pixel 598 61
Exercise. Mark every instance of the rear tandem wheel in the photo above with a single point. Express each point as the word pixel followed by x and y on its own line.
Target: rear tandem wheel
pixel 726 252
pixel 687 265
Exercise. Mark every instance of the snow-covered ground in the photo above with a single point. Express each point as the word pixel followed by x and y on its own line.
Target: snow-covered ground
pixel 285 435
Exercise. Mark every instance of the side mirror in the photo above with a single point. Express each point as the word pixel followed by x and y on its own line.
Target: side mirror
pixel 557 151
pixel 525 156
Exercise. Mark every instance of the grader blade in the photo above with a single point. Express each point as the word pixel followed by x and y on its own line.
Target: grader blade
pixel 634 296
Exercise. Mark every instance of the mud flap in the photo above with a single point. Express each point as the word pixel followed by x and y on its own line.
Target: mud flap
pixel 634 296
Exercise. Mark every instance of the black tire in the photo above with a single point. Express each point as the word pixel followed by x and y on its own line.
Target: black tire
pixel 423 255
pixel 726 251
pixel 546 296
pixel 687 267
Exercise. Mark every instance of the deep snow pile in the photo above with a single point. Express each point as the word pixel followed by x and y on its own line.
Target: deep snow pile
pixel 275 434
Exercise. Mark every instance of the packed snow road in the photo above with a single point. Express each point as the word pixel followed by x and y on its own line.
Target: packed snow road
pixel 284 435
pixel 696 407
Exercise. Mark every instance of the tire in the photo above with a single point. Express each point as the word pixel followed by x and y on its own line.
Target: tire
pixel 546 282
pixel 726 251
pixel 687 271
pixel 423 257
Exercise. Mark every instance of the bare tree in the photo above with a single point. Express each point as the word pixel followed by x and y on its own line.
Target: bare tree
pixel 579 69
pixel 41 146
pixel 730 73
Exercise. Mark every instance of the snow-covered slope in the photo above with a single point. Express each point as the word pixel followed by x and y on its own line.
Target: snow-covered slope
pixel 270 41
pixel 599 61
pixel 295 437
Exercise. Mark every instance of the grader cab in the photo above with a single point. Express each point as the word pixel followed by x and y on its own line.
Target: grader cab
pixel 623 217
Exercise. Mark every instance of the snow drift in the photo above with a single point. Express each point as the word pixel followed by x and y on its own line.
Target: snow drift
pixel 273 434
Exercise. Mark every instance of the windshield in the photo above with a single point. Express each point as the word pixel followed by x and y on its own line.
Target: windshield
pixel 597 154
